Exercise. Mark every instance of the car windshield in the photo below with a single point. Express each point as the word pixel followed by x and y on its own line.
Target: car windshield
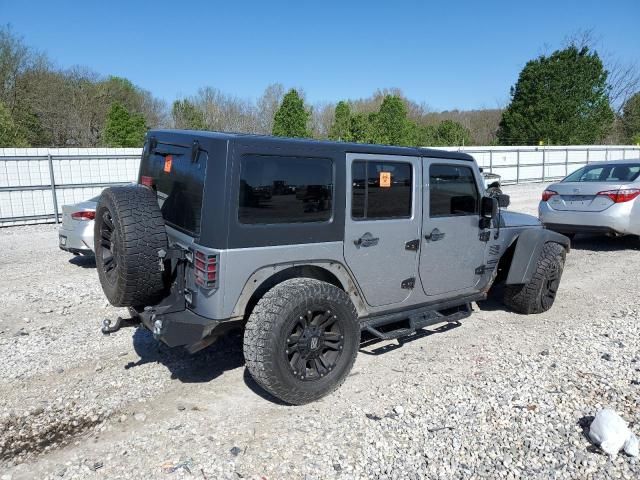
pixel 613 173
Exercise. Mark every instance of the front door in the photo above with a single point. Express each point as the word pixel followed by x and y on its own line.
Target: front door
pixel 383 214
pixel 451 248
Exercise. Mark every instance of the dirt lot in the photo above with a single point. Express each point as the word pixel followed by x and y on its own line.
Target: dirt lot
pixel 502 395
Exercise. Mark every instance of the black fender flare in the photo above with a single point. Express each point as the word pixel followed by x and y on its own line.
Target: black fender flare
pixel 529 245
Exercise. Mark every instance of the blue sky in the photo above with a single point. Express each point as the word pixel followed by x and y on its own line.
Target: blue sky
pixel 455 54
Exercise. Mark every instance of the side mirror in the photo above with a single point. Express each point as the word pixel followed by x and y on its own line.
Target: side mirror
pixel 504 200
pixel 488 207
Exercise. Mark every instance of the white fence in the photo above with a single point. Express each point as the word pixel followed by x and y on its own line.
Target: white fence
pixel 36 182
pixel 540 164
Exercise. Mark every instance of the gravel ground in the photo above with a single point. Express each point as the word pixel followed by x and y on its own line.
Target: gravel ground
pixel 502 395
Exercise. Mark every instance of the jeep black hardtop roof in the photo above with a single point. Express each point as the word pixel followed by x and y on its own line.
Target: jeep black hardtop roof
pixel 346 147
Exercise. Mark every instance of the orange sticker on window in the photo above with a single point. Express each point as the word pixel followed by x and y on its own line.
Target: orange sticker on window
pixel 167 163
pixel 385 179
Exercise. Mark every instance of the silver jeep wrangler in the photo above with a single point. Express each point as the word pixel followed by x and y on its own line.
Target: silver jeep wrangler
pixel 306 244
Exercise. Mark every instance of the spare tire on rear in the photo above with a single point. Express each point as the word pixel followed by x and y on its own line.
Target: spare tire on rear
pixel 129 232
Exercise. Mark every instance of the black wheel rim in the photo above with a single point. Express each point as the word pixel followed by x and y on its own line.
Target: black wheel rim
pixel 314 344
pixel 552 282
pixel 108 240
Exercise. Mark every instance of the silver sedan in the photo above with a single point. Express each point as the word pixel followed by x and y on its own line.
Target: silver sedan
pixel 601 197
pixel 76 231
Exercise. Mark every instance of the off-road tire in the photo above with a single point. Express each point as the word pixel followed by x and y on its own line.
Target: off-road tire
pixel 267 330
pixel 538 295
pixel 127 252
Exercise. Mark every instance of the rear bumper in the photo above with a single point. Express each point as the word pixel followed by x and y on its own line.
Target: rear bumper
pixel 78 239
pixel 614 220
pixel 178 328
pixel 185 328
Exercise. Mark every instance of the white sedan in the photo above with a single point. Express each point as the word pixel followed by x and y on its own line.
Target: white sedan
pixel 76 231
pixel 602 197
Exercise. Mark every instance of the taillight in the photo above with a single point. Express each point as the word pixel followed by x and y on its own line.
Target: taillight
pixel 89 215
pixel 622 195
pixel 206 269
pixel 146 181
pixel 547 194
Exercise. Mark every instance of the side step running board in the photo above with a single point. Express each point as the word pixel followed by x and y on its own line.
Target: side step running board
pixel 415 322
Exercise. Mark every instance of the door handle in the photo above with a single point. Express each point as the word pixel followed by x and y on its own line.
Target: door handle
pixel 366 240
pixel 434 236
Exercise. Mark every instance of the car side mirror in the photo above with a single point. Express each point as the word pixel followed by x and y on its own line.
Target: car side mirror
pixel 504 200
pixel 488 207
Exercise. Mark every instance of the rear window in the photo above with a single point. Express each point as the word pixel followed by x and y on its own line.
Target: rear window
pixel 178 179
pixel 615 173
pixel 279 189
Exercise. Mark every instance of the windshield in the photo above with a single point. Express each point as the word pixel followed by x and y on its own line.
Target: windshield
pixel 613 173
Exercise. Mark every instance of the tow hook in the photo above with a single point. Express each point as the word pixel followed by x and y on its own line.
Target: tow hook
pixel 157 326
pixel 107 328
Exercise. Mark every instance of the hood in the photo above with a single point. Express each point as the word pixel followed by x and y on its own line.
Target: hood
pixel 515 219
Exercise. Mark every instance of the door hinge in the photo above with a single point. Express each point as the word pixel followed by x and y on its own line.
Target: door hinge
pixel 412 245
pixel 485 236
pixel 481 270
pixel 409 283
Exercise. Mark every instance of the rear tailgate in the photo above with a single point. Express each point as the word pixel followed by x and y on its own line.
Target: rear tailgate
pixel 176 171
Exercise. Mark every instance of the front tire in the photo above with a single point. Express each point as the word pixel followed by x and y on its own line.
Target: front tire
pixel 539 294
pixel 301 340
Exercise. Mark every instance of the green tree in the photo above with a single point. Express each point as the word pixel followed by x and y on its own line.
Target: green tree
pixel 360 128
pixel 123 129
pixel 341 127
pixel 186 115
pixel 10 135
pixel 391 125
pixel 426 136
pixel 562 98
pixel 292 117
pixel 452 133
pixel 631 119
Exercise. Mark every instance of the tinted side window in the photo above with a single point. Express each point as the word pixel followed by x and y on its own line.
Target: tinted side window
pixel 452 191
pixel 285 189
pixel 380 190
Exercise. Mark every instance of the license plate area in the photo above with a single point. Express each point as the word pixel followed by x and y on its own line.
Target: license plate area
pixel 63 240
pixel 577 200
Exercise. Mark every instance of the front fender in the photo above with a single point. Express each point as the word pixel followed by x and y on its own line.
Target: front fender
pixel 529 245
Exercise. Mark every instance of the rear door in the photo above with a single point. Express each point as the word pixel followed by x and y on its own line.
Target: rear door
pixel 451 247
pixel 579 191
pixel 383 215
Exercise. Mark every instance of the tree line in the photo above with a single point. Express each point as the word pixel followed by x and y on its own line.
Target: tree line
pixel 569 96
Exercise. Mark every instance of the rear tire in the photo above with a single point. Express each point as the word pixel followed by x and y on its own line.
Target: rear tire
pixel 301 340
pixel 538 295
pixel 128 233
